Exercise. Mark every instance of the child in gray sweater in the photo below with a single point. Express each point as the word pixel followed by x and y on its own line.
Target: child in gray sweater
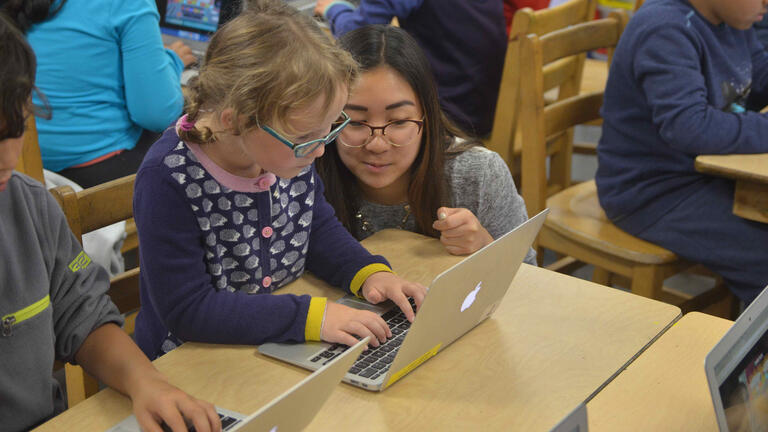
pixel 53 301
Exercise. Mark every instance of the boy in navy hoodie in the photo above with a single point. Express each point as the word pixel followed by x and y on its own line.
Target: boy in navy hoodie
pixel 688 78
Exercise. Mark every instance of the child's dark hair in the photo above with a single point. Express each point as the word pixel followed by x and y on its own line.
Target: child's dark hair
pixel 25 13
pixel 380 45
pixel 17 79
pixel 269 60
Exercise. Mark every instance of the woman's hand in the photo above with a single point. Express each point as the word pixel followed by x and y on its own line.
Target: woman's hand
pixel 460 231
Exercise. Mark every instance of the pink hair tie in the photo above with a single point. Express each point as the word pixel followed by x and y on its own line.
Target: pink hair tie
pixel 184 123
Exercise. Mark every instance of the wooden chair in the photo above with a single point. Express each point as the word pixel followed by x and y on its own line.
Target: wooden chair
pixel 577 226
pixel 567 74
pixel 638 3
pixel 88 210
pixel 30 162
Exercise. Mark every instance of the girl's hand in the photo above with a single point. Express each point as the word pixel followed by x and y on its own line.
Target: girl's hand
pixel 155 401
pixel 321 5
pixel 184 52
pixel 343 323
pixel 460 231
pixel 381 286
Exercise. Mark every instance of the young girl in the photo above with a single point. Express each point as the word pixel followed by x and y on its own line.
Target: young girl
pixel 228 205
pixel 400 164
pixel 54 302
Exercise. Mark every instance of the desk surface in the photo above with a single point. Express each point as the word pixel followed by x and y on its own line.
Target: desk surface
pixel 752 167
pixel 553 342
pixel 665 389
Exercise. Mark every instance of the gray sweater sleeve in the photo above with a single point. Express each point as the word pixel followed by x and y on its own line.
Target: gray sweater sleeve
pixel 78 286
pixel 482 183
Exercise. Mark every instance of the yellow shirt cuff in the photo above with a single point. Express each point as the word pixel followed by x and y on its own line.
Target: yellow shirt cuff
pixel 362 275
pixel 315 316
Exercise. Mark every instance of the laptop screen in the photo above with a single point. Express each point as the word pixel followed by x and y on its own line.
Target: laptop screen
pixel 743 378
pixel 193 14
pixel 195 19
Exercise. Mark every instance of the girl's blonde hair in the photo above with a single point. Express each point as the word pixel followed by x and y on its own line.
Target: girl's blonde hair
pixel 269 60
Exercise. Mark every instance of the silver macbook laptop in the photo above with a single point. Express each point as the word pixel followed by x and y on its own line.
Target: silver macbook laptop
pixel 458 299
pixel 737 371
pixel 291 411
pixel 575 421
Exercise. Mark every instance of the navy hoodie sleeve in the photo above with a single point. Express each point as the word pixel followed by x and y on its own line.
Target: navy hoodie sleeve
pixel 667 67
pixel 343 18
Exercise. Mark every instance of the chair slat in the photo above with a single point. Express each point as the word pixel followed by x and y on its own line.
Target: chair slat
pixel 579 39
pixel 98 204
pixel 574 111
pixel 564 15
pixel 560 71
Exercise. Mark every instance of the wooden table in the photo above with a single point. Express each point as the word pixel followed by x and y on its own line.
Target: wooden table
pixel 551 344
pixel 751 174
pixel 665 389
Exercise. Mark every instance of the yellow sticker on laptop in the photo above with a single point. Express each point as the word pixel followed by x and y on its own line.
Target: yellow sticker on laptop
pixel 404 371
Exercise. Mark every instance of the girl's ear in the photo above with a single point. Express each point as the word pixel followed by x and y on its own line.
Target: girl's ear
pixel 227 119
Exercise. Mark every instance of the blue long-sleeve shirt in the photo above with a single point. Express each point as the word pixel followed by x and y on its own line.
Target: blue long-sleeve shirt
pixel 678 87
pixel 464 41
pixel 212 255
pixel 104 70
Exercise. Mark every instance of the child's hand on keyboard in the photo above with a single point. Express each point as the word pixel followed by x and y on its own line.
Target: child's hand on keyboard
pixel 343 323
pixel 385 285
pixel 155 400
pixel 184 52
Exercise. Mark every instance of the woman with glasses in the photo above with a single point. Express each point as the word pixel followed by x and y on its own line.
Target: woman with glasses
pixel 229 208
pixel 400 164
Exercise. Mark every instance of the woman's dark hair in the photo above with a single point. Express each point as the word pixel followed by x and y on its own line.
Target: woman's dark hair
pixel 17 79
pixel 375 46
pixel 25 13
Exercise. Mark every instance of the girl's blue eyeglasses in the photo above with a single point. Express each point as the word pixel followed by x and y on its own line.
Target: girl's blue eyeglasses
pixel 301 150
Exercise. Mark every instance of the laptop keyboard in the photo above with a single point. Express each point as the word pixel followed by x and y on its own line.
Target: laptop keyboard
pixel 374 361
pixel 227 423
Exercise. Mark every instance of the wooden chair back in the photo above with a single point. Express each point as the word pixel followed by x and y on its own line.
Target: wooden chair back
pixel 565 74
pixel 543 141
pixel 30 162
pixel 638 3
pixel 86 211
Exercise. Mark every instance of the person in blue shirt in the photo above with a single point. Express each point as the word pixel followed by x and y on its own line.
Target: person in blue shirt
pixel 687 79
pixel 465 42
pixel 108 79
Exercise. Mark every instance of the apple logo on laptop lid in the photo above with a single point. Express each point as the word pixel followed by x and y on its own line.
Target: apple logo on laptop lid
pixel 470 298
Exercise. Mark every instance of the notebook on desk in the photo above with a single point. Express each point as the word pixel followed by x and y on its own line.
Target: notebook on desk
pixel 458 299
pixel 291 411
pixel 737 371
